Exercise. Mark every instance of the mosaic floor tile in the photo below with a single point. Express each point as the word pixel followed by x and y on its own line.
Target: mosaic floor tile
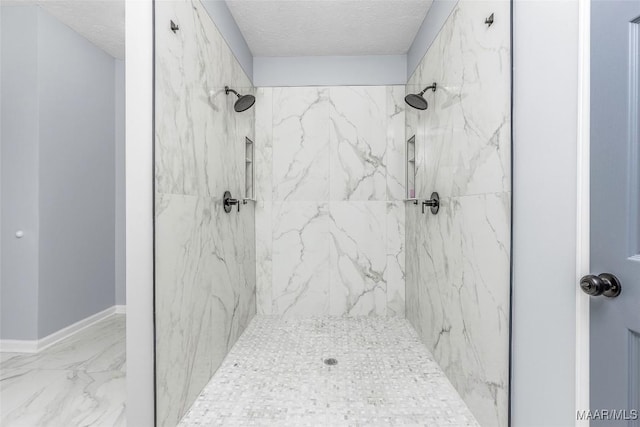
pixel 276 375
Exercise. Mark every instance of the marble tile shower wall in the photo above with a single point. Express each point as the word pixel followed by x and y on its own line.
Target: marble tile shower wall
pixel 205 258
pixel 458 262
pixel 330 217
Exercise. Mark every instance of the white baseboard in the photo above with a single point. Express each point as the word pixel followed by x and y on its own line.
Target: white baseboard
pixel 34 346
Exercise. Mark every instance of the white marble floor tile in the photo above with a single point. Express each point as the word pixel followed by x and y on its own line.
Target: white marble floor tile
pixel 79 381
pixel 5 356
pixel 100 347
pixel 276 375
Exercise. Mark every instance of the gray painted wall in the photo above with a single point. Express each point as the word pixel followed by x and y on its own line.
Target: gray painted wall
pixel 120 189
pixel 370 70
pixel 431 26
pixel 544 241
pixel 19 154
pixel 221 16
pixel 58 175
pixel 77 176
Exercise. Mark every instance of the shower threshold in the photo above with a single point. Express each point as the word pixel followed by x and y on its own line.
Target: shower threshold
pixel 276 375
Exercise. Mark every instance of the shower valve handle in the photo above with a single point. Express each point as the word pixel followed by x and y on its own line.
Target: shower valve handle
pixel 433 203
pixel 228 202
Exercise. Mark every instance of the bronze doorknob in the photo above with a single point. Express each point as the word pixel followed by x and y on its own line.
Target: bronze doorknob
pixel 603 284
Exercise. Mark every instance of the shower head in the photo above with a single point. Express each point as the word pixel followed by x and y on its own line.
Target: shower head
pixel 243 103
pixel 416 100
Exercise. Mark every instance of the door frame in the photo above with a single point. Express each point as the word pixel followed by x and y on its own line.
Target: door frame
pixel 583 219
pixel 139 212
pixel 139 66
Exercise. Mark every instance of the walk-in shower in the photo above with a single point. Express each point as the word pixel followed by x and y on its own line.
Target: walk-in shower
pixel 416 100
pixel 243 103
pixel 334 290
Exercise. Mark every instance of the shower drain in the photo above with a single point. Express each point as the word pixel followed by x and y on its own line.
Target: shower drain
pixel 331 361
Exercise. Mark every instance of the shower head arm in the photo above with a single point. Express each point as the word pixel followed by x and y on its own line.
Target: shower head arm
pixel 227 89
pixel 432 87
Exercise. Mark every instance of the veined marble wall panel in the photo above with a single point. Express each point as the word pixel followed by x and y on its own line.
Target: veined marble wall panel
pixel 264 256
pixel 358 258
pixel 205 258
pixel 358 143
pixel 264 194
pixel 205 294
pixel 458 262
pixel 264 144
pixel 330 180
pixel 197 128
pixel 395 154
pixel 300 258
pixel 394 274
pixel 300 135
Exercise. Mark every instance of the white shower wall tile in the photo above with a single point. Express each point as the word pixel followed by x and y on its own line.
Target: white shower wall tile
pixel 300 258
pixel 464 135
pixel 205 258
pixel 486 278
pixel 199 137
pixel 264 251
pixel 300 144
pixel 358 143
pixel 395 135
pixel 358 258
pixel 395 268
pixel 205 294
pixel 263 163
pixel 412 122
pixel 462 311
pixel 458 262
pixel 263 156
pixel 338 151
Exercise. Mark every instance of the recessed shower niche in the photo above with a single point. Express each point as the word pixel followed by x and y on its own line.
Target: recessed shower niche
pixel 410 179
pixel 249 175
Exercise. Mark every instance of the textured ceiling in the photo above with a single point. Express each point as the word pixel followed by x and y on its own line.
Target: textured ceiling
pixel 272 27
pixel 99 21
pixel 328 27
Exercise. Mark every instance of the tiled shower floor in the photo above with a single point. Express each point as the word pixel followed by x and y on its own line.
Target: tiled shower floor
pixel 275 376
